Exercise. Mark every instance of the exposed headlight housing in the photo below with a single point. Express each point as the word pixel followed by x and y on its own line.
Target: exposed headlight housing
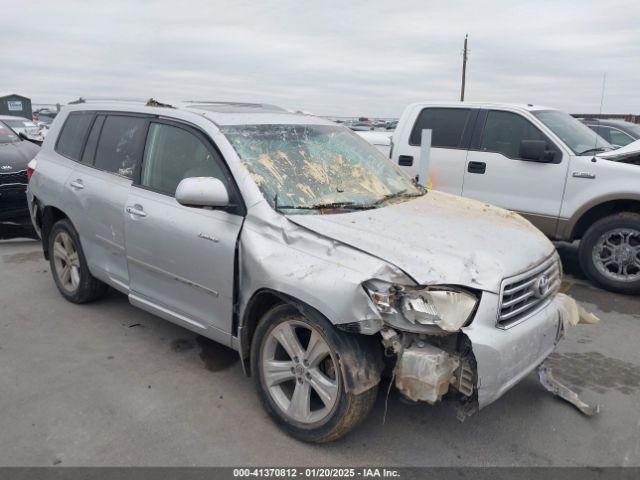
pixel 422 309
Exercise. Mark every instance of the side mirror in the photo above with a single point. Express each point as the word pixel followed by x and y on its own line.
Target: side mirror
pixel 536 151
pixel 202 192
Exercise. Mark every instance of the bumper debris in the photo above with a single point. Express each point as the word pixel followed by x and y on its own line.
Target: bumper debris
pixel 554 386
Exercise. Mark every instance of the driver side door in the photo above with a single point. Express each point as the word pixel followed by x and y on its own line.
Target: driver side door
pixel 496 174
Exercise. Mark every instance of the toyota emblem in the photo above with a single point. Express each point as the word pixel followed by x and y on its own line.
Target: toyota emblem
pixel 541 287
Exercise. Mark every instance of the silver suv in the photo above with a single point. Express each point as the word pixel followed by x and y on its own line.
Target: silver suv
pixel 295 242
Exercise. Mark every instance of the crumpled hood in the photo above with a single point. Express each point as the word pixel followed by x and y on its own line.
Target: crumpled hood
pixel 630 150
pixel 440 239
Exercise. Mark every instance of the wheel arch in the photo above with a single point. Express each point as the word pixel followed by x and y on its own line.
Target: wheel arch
pixel 598 209
pixel 360 356
pixel 47 217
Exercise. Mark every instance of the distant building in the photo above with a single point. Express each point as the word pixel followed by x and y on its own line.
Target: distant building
pixel 15 105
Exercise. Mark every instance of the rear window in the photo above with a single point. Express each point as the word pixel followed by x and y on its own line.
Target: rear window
pixel 7 135
pixel 73 134
pixel 120 145
pixel 446 125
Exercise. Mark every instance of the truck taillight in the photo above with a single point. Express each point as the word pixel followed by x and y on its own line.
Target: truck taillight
pixel 31 167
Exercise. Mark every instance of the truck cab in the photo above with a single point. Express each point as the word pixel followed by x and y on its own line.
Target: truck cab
pixel 543 164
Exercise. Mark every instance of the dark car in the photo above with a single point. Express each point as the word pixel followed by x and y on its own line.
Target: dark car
pixel 15 154
pixel 616 132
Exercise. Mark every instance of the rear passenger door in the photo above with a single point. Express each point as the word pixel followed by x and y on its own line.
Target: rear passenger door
pixel 182 259
pixel 451 133
pixel 100 184
pixel 496 174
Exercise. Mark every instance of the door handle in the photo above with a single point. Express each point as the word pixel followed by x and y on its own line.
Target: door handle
pixel 135 210
pixel 77 184
pixel 477 167
pixel 405 160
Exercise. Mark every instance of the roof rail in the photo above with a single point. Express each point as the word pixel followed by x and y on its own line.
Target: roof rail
pixel 149 103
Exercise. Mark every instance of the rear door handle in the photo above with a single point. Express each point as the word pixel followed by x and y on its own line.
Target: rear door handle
pixel 135 210
pixel 77 184
pixel 405 160
pixel 477 167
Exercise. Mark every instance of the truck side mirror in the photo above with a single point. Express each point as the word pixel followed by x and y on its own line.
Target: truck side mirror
pixel 536 151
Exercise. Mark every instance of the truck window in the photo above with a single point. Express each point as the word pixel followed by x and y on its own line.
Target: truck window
pixel 120 145
pixel 503 132
pixel 73 133
pixel 446 124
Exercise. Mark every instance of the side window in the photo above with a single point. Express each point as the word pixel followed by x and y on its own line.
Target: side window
pixel 73 133
pixel 602 131
pixel 92 141
pixel 447 125
pixel 172 154
pixel 503 132
pixel 120 145
pixel 619 138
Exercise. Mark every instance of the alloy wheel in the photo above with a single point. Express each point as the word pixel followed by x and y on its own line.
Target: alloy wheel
pixel 299 371
pixel 66 261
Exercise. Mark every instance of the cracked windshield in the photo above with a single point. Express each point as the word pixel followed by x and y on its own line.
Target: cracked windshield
pixel 317 168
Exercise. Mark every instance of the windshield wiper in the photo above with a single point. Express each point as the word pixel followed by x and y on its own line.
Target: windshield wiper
pixel 593 150
pixel 322 206
pixel 400 194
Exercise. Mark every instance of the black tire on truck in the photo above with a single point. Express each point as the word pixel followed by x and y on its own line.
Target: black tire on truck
pixel 610 252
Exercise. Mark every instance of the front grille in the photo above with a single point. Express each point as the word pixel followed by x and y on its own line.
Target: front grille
pixel 14 177
pixel 522 294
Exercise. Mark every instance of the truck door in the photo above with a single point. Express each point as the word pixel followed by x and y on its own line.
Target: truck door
pixel 496 174
pixel 451 133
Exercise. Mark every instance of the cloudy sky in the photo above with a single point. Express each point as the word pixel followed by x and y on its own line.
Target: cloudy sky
pixel 327 57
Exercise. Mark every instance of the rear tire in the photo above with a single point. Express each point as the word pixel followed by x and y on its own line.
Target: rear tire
pixel 610 252
pixel 69 266
pixel 312 366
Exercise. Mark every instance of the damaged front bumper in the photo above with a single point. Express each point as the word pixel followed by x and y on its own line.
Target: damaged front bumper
pixel 483 361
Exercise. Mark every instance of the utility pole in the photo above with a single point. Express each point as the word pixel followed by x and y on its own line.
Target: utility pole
pixel 464 67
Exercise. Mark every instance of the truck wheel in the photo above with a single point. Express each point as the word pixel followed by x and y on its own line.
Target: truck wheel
pixel 610 252
pixel 298 377
pixel 69 266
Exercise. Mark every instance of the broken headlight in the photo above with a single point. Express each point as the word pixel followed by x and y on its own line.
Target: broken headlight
pixel 420 309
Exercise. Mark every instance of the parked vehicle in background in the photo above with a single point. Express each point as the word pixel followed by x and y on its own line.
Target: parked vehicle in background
pixel 293 241
pixel 616 132
pixel 380 140
pixel 543 164
pixel 15 154
pixel 391 124
pixel 45 115
pixel 20 125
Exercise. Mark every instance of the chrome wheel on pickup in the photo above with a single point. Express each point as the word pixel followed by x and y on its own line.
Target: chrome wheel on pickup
pixel 298 376
pixel 616 254
pixel 610 252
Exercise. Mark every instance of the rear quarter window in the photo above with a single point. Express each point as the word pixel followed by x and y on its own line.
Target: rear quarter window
pixel 446 124
pixel 73 134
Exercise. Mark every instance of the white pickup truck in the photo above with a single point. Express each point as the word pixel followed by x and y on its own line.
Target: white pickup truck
pixel 543 164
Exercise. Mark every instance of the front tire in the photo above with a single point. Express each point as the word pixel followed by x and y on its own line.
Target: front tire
pixel 610 253
pixel 69 265
pixel 298 378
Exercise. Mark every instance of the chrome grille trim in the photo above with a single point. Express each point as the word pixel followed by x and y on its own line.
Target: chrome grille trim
pixel 13 178
pixel 519 296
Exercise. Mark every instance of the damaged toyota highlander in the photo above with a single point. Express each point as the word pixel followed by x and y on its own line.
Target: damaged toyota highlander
pixel 295 242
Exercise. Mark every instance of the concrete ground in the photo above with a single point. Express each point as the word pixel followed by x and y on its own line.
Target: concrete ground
pixel 108 384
